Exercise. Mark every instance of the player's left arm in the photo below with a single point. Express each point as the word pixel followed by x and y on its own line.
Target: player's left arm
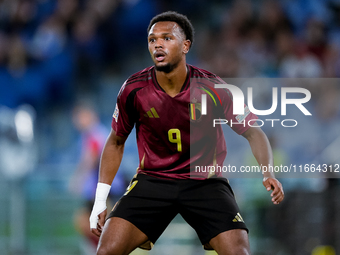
pixel 262 151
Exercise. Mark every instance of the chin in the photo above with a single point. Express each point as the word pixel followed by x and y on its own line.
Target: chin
pixel 166 68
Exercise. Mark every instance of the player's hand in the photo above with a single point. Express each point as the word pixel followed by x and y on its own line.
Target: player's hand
pixel 97 218
pixel 274 185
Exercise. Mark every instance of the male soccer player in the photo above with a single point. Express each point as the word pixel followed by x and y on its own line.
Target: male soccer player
pixel 161 101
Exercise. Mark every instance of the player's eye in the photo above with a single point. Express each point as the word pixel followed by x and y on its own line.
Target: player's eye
pixel 167 38
pixel 152 40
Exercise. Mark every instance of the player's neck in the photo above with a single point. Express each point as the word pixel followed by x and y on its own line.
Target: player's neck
pixel 172 82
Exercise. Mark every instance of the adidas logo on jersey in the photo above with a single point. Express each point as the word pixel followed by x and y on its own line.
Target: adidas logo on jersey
pixel 152 113
pixel 238 218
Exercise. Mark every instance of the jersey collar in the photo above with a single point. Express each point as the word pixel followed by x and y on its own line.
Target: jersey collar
pixel 185 85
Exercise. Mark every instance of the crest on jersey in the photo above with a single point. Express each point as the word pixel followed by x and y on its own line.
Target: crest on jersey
pixel 195 111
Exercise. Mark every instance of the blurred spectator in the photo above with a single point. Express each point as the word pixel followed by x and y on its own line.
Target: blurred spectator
pixel 49 46
pixel 241 16
pixel 316 38
pixel 300 64
pixel 49 39
pixel 18 16
pixel 84 180
pixel 93 135
pixel 226 63
pixel 66 10
pixel 88 47
pixel 272 20
pixel 16 57
pixel 284 45
pixel 20 82
pixel 332 61
pixel 254 51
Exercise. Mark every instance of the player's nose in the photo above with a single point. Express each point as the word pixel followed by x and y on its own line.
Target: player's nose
pixel 158 44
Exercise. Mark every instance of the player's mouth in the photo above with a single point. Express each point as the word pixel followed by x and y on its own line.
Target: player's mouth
pixel 159 56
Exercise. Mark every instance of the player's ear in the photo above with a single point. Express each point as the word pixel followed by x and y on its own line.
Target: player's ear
pixel 186 46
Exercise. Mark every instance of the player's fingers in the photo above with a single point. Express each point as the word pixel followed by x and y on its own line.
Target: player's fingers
pixel 267 184
pixel 278 194
pixel 274 185
pixel 277 188
pixel 277 198
pixel 101 219
pixel 275 192
pixel 96 231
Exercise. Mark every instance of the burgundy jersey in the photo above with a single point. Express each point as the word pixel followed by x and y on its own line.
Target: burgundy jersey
pixel 172 135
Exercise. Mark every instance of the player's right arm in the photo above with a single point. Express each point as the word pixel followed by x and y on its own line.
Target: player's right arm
pixel 110 160
pixel 123 120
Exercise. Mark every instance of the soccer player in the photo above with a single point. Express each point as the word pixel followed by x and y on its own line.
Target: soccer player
pixel 84 180
pixel 172 137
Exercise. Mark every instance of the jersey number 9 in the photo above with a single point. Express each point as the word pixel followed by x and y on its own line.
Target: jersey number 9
pixel 175 137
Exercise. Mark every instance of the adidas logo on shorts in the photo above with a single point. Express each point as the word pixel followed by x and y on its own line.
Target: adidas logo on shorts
pixel 238 218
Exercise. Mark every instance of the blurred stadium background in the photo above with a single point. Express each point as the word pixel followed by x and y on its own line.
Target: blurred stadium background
pixel 54 53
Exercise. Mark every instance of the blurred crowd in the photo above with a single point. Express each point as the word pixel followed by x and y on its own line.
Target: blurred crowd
pixel 42 44
pixel 296 39
pixel 52 51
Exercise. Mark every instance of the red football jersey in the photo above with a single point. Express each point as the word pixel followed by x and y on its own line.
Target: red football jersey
pixel 173 136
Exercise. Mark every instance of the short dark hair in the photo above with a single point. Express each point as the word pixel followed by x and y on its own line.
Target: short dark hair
pixel 182 20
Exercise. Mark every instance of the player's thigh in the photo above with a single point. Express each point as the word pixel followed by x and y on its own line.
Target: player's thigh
pixel 119 237
pixel 150 205
pixel 231 242
pixel 210 207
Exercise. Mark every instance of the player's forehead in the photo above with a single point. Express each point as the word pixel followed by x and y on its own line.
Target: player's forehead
pixel 163 27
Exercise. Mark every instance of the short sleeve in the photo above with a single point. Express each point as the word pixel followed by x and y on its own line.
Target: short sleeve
pixel 239 123
pixel 123 118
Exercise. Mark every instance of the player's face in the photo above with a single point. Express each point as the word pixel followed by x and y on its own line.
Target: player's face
pixel 167 45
